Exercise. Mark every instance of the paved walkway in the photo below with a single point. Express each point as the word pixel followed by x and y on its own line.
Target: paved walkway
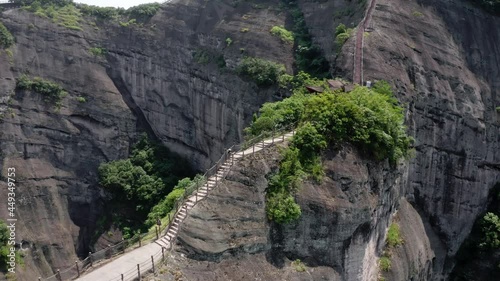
pixel 127 263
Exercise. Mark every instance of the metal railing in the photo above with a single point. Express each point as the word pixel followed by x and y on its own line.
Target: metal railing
pixel 79 267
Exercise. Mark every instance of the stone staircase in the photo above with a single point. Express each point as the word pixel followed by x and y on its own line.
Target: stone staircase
pixel 167 240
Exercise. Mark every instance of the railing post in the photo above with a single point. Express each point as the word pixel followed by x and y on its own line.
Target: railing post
pixel 122 276
pixel 253 148
pixel 283 137
pixel 140 240
pixel 153 263
pixel 215 178
pixel 39 278
pixel 273 136
pixel 138 272
pixel 90 258
pixel 58 275
pixel 262 143
pixel 162 253
pixel 157 230
pixel 77 268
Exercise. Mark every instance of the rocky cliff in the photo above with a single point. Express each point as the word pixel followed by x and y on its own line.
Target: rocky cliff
pixel 148 81
pixel 338 236
pixel 152 79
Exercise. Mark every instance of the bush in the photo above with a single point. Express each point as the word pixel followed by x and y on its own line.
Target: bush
pixel 97 51
pixel 281 208
pixel 104 13
pixel 6 38
pixel 263 72
pixel 394 236
pixel 81 99
pixel 4 250
pixel 490 228
pixel 143 12
pixel 385 263
pixel 51 91
pixel 342 34
pixel 285 35
pixel 66 15
pixel 299 265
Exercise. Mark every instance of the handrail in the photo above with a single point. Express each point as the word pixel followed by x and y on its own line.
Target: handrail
pixel 79 267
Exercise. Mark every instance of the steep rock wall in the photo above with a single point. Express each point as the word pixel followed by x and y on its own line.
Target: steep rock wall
pixel 449 78
pixel 148 81
pixel 342 226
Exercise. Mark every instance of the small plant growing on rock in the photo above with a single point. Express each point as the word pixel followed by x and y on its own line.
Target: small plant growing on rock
pixel 244 30
pixel 52 92
pixel 299 265
pixel 385 263
pixel 97 51
pixel 285 35
pixel 81 99
pixel 6 38
pixel 229 41
pixel 498 109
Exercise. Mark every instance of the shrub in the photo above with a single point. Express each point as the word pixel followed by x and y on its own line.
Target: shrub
pixel 498 109
pixel 81 99
pixel 385 263
pixel 97 51
pixel 127 23
pixel 394 236
pixel 104 13
pixel 299 265
pixel 143 12
pixel 4 250
pixel 51 91
pixel 244 30
pixel 66 15
pixel 342 34
pixel 6 38
pixel 490 228
pixel 229 41
pixel 263 72
pixel 285 35
pixel 281 208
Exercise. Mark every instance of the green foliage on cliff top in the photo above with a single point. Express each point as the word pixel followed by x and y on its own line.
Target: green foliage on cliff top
pixel 369 119
pixel 6 38
pixel 342 33
pixel 64 14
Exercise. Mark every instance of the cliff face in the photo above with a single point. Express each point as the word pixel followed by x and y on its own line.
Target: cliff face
pixel 149 81
pixel 448 75
pixel 338 236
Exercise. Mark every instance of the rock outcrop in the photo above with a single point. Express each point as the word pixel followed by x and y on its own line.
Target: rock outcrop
pixel 341 229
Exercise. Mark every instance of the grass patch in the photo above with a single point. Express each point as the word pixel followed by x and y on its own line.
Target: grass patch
pixel 394 236
pixel 68 15
pixel 6 38
pixel 417 14
pixel 97 51
pixel 51 92
pixel 298 265
pixel 285 35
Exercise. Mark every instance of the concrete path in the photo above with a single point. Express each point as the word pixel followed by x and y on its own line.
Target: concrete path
pixel 358 51
pixel 127 263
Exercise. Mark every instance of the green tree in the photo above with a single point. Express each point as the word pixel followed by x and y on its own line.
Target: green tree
pixel 281 207
pixel 490 227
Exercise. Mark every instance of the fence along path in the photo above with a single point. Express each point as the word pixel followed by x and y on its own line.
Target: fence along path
pixel 134 264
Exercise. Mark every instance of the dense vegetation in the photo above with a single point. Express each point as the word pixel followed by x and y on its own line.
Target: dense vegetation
pixel 262 72
pixel 144 180
pixel 308 56
pixel 368 118
pixel 52 92
pixel 6 38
